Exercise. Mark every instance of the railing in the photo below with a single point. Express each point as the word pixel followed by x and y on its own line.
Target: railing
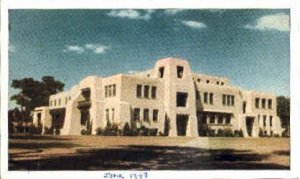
pixel 84 104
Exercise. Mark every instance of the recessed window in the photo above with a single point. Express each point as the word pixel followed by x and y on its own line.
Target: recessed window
pixel 224 99
pixel 161 72
pixel 205 98
pixel 271 121
pixel 114 90
pixel 84 118
pixel 146 115
pixel 270 103
pixel 179 71
pixel 138 91
pixel 136 114
pixel 153 92
pixel 265 118
pixel 207 81
pixel 222 83
pixel 181 99
pixel 228 119
pixel 232 100
pixel 244 107
pixel 212 119
pixel 113 114
pixel 218 82
pixel 107 115
pixel 155 115
pixel 211 98
pixel 220 119
pixel 146 91
pixel 106 91
pixel 256 102
pixel 263 103
pixel 198 80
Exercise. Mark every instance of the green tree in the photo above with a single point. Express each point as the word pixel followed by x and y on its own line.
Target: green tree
pixel 34 93
pixel 283 111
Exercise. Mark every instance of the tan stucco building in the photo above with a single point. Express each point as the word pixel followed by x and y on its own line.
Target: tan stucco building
pixel 169 94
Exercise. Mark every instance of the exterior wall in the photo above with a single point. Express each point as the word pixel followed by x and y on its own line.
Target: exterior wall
pixel 179 100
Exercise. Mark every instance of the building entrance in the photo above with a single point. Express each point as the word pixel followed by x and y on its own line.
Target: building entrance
pixel 181 123
pixel 249 125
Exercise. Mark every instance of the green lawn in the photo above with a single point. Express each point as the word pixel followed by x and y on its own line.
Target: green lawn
pixel 152 153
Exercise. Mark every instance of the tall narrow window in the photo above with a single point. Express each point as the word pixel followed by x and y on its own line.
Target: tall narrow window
pixel 228 100
pixel 153 92
pixel 211 98
pixel 146 91
pixel 232 100
pixel 179 71
pixel 136 114
pixel 146 115
pixel 155 115
pixel 228 119
pixel 265 122
pixel 109 90
pixel 181 99
pixel 244 107
pixel 114 90
pixel 138 91
pixel 220 119
pixel 107 115
pixel 205 97
pixel 212 119
pixel 263 103
pixel 224 99
pixel 113 115
pixel 106 91
pixel 271 121
pixel 270 103
pixel 161 72
pixel 256 102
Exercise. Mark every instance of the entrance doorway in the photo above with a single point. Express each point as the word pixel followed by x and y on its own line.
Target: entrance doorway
pixel 249 125
pixel 181 123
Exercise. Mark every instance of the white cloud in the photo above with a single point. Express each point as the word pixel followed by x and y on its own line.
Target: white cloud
pixel 11 48
pixel 173 11
pixel 194 24
pixel 74 48
pixel 279 22
pixel 96 48
pixel 131 14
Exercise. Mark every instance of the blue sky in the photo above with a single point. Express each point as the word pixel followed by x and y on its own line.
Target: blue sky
pixel 251 47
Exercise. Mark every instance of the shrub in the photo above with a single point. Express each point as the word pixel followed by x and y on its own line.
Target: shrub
pixel 153 132
pixel 261 133
pixel 238 133
pixel 211 133
pixel 112 130
pixel 220 133
pixel 127 131
pixel 35 130
pixel 99 131
pixel 228 132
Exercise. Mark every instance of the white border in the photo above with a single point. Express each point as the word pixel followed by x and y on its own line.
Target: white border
pixel 159 4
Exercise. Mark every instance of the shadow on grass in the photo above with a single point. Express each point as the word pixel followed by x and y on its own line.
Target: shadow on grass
pixel 282 152
pixel 32 145
pixel 150 158
pixel 36 137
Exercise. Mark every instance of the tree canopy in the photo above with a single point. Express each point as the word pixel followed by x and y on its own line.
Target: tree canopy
pixel 283 111
pixel 34 93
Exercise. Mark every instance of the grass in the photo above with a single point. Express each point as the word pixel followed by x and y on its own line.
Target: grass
pixel 146 153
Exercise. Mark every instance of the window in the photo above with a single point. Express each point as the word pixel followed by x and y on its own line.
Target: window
pixel 256 102
pixel 205 98
pixel 271 121
pixel 109 90
pixel 69 98
pixel 114 90
pixel 220 119
pixel 112 115
pixel 218 82
pixel 136 114
pixel 107 115
pixel 228 119
pixel 212 119
pixel 66 100
pixel 146 115
pixel 265 118
pixel 198 80
pixel 181 99
pixel 211 98
pixel 258 117
pixel 59 101
pixel 179 71
pixel 224 99
pixel 138 91
pixel 232 100
pixel 161 72
pixel 207 81
pixel 244 107
pixel 222 83
pixel 146 91
pixel 263 103
pixel 106 91
pixel 155 115
pixel 153 92
pixel 270 103
pixel 228 100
